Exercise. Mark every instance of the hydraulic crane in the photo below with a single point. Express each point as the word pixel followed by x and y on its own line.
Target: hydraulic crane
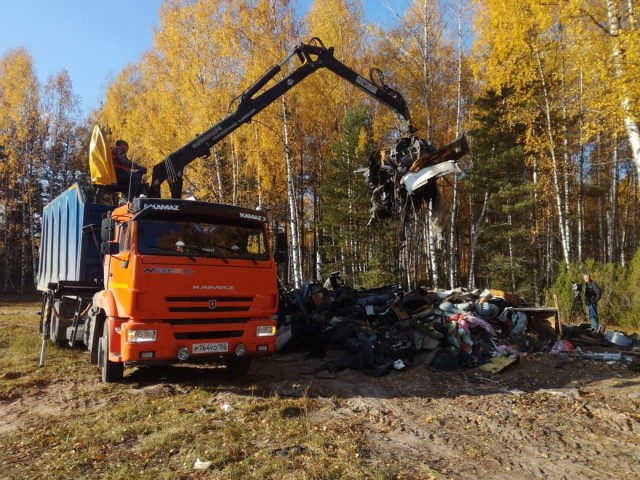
pixel 313 56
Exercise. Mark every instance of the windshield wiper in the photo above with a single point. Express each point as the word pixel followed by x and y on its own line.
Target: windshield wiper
pixel 208 252
pixel 175 252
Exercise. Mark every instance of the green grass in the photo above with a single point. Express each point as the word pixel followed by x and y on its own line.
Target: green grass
pixel 85 429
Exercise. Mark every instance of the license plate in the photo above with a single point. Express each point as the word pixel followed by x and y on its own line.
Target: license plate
pixel 210 347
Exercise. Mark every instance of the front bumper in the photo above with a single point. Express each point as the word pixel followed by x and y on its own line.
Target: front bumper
pixel 203 343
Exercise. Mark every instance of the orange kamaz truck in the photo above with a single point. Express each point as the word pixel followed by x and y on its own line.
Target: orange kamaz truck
pixel 178 281
pixel 156 281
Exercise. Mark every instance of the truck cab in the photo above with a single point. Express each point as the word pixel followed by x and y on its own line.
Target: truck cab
pixel 183 281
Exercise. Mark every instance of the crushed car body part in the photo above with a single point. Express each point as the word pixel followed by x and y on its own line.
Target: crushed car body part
pixel 405 175
pixel 415 181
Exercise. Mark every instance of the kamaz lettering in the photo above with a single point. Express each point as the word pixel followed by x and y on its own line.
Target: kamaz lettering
pixel 159 206
pixel 252 216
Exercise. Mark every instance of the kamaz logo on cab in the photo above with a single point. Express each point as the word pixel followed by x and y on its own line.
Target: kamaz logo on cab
pixel 252 216
pixel 159 206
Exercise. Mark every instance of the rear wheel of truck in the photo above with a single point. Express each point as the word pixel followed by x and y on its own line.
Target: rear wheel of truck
pixel 109 371
pixel 238 367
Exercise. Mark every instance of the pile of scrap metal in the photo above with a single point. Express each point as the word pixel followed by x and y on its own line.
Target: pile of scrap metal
pixel 381 329
pixel 403 178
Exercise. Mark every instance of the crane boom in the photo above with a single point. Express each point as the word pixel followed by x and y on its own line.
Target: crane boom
pixel 313 56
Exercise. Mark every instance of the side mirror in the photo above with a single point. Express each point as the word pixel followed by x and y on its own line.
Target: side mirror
pixel 108 229
pixel 281 248
pixel 109 248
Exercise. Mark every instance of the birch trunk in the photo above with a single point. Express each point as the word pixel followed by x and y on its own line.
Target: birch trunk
pixel 316 237
pixel 563 227
pixel 613 205
pixel 453 231
pixel 475 234
pixel 630 121
pixel 536 234
pixel 235 171
pixel 581 173
pixel 216 157
pixel 259 184
pixel 453 251
pixel 565 174
pixel 291 194
pixel 426 77
pixel 433 247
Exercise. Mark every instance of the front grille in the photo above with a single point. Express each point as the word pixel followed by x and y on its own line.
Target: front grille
pixel 208 335
pixel 204 321
pixel 203 304
pixel 207 309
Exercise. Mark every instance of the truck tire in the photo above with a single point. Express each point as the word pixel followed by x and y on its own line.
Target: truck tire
pixel 238 367
pixel 109 371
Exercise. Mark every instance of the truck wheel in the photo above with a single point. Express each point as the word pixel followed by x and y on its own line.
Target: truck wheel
pixel 238 367
pixel 110 371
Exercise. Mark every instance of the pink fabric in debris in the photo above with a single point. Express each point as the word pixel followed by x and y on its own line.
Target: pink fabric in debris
pixel 479 322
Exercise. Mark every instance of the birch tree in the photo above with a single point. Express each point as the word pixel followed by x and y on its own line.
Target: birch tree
pixel 21 145
pixel 65 158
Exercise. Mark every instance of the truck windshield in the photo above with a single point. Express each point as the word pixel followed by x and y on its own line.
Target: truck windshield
pixel 201 239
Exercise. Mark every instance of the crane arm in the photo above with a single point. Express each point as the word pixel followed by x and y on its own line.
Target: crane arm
pixel 312 56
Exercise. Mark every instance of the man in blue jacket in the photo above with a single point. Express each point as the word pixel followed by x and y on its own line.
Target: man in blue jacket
pixel 592 294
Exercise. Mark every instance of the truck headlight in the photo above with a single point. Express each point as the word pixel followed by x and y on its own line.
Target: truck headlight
pixel 139 336
pixel 266 331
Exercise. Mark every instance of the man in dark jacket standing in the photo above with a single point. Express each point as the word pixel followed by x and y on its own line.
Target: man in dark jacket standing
pixel 592 294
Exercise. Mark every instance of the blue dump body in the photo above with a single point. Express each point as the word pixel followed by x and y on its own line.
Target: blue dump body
pixel 66 252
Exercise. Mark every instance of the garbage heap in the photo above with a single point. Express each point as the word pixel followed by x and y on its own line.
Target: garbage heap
pixel 381 329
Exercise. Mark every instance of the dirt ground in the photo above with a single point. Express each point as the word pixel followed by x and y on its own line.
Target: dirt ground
pixel 541 418
pixel 544 417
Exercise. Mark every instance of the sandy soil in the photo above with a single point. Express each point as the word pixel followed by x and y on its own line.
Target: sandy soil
pixel 541 418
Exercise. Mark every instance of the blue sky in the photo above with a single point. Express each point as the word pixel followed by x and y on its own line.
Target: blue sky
pixel 94 40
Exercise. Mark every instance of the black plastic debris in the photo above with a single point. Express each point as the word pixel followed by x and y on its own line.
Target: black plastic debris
pixel 379 330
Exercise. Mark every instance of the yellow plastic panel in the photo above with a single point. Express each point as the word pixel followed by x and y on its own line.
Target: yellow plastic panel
pixel 100 163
